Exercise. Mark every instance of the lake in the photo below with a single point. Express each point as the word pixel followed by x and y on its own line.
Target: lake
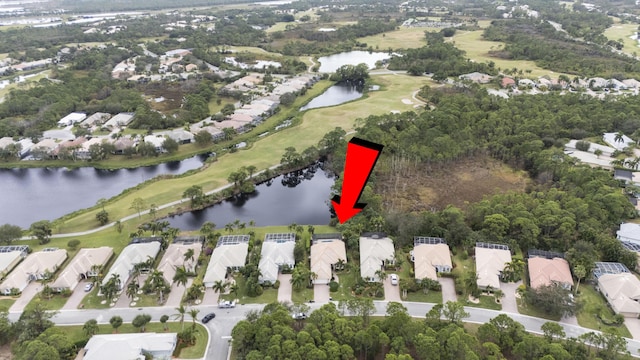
pixel 30 195
pixel 301 197
pixel 329 64
pixel 335 95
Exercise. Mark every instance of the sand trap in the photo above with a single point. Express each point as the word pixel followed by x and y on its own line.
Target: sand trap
pixel 395 111
pixel 407 101
pixel 417 106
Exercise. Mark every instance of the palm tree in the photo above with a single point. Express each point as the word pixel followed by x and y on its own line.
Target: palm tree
pixel 207 230
pixel 471 282
pixel 194 316
pixel 299 277
pixel 137 270
pixel 90 328
pixel 219 286
pixel 180 315
pixel 189 255
pixel 181 277
pixel 619 137
pixel 132 290
pixel 229 228
pixel 234 288
pixel 382 275
pixel 158 283
pixel 340 265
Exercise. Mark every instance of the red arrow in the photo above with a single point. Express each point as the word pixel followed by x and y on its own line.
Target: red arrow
pixel 361 157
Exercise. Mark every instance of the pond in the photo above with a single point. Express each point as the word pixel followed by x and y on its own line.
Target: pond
pixel 301 197
pixel 329 64
pixel 30 195
pixel 335 95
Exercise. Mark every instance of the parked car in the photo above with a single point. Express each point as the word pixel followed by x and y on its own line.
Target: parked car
pixel 88 287
pixel 226 304
pixel 299 316
pixel 208 318
pixel 394 279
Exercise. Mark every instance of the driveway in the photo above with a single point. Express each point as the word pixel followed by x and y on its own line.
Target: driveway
pixel 448 289
pixel 27 294
pixel 321 293
pixel 284 291
pixel 391 292
pixel 77 296
pixel 634 327
pixel 509 304
pixel 177 291
pixel 210 297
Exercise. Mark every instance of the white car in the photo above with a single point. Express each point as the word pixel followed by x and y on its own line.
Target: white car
pixel 88 287
pixel 226 304
pixel 394 279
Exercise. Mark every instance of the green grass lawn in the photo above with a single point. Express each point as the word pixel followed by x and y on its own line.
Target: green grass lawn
pixel 477 49
pixel 420 296
pixel 301 296
pixel 592 303
pixel 624 31
pixel 6 303
pixel 526 309
pixel 486 302
pixel 403 38
pixel 196 351
pixel 56 302
pixel 346 280
pixel 268 296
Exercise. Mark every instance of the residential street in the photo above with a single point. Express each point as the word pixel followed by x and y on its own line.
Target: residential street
pixel 221 326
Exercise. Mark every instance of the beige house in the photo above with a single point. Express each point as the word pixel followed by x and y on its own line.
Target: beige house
pixel 85 264
pixel 376 250
pixel 174 258
pixel 544 272
pixel 325 254
pixel 622 291
pixel 430 257
pixel 490 261
pixel 10 256
pixel 230 253
pixel 36 266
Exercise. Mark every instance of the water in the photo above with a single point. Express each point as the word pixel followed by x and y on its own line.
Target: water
pixel 329 64
pixel 335 95
pixel 30 195
pixel 302 198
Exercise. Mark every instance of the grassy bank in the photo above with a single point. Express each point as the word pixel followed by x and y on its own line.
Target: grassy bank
pixel 263 153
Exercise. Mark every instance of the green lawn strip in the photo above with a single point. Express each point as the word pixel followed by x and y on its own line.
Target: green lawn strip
pixel 302 295
pixel 623 31
pixel 76 334
pixel 526 309
pixel 462 264
pixel 486 302
pixel 6 303
pixel 215 108
pixel 93 301
pixel 268 296
pixel 420 296
pixel 266 152
pixel 56 302
pixel 593 303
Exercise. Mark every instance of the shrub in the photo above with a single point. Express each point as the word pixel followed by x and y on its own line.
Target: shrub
pixel 333 286
pixel 583 145
pixel 73 244
pixel 276 285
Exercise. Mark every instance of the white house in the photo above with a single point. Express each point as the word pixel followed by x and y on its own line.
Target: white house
pixel 37 266
pixel 376 250
pixel 131 255
pixel 629 232
pixel 74 117
pixel 277 252
pixel 130 346
pixel 230 254
pixel 610 138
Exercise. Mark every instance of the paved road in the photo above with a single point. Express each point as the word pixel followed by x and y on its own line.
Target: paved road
pixel 220 328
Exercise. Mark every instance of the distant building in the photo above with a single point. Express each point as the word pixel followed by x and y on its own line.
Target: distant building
pixel 74 117
pixel 130 346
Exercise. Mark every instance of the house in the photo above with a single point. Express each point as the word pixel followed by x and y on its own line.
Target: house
pixel 633 247
pixel 10 256
pixel 476 77
pixel 606 150
pixel 83 152
pixel 123 143
pixel 6 141
pixel 629 233
pixel 624 175
pixel 376 251
pixel 544 272
pixel 208 126
pixel 134 253
pixel 622 292
pixel 44 148
pixel 277 252
pixel 72 118
pixel 230 254
pixel 156 141
pixel 122 119
pixel 617 84
pixel 37 266
pixel 87 263
pixel 174 257
pixel 191 67
pixel 619 144
pixel 95 119
pixel 598 83
pixel 507 82
pixel 631 83
pixel 327 250
pixel 137 346
pixel 180 136
pixel 25 146
pixel 490 261
pixel 430 256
